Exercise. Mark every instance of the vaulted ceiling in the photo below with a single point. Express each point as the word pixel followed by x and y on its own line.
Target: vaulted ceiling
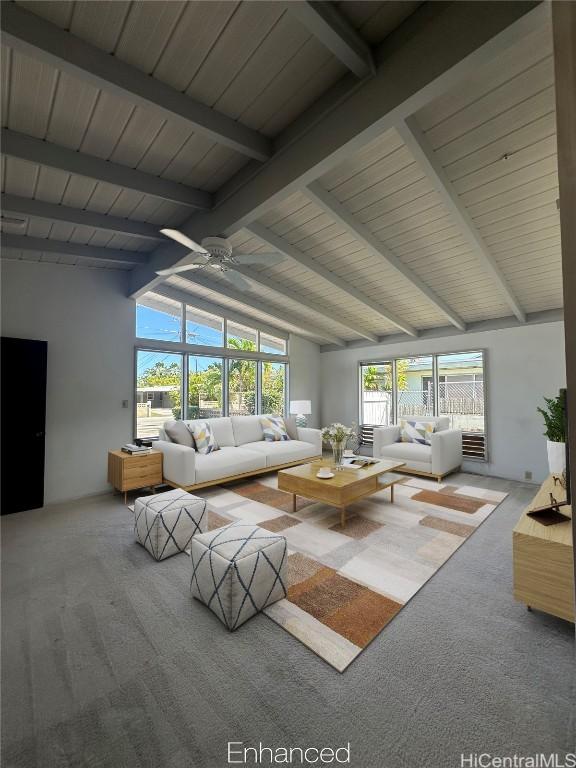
pixel 398 206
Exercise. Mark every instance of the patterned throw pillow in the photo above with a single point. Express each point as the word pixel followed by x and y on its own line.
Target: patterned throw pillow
pixel 416 431
pixel 274 429
pixel 204 438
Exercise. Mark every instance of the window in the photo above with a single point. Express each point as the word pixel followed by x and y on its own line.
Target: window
pixel 376 393
pixel 159 318
pixel 241 337
pixel 272 345
pixel 273 388
pixel 158 390
pixel 461 390
pixel 204 328
pixel 415 386
pixel 241 387
pixel 433 385
pixel 204 387
pixel 181 380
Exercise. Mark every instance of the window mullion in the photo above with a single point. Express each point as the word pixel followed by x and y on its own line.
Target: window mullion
pixel 225 402
pixel 184 389
pixel 394 394
pixel 435 385
pixel 258 403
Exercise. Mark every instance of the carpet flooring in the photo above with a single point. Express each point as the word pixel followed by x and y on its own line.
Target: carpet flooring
pixel 345 584
pixel 107 662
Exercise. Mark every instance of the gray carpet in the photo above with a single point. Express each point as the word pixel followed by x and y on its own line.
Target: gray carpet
pixel 108 662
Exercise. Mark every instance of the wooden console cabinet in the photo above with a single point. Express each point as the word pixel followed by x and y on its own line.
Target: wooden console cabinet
pixel 544 559
pixel 126 472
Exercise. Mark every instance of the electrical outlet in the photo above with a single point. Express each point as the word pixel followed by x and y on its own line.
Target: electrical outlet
pixel 527 475
pixel 124 403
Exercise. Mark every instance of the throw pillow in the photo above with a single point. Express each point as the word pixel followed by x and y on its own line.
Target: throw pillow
pixel 274 429
pixel 416 431
pixel 179 433
pixel 204 438
pixel 291 427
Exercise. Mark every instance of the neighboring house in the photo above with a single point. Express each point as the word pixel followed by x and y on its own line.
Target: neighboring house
pixel 156 397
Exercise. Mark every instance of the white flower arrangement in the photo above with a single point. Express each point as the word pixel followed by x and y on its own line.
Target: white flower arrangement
pixel 337 433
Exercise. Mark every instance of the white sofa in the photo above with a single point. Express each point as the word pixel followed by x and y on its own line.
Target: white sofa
pixel 243 451
pixel 443 456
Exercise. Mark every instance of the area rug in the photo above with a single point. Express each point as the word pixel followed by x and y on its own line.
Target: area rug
pixel 346 584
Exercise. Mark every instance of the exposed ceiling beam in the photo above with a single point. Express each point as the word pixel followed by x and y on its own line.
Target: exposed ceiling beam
pixel 427 159
pixel 437 47
pixel 302 326
pixel 171 292
pixel 360 232
pixel 41 245
pixel 336 33
pixel 36 37
pixel 53 212
pixel 296 255
pixel 281 290
pixel 37 151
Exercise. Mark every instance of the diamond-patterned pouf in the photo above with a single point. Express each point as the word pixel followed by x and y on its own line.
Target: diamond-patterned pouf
pixel 166 522
pixel 238 570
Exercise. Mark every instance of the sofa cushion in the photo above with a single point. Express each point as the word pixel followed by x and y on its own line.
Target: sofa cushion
pixel 179 433
pixel 416 431
pixel 247 429
pixel 282 452
pixel 408 452
pixel 221 429
pixel 227 462
pixel 204 438
pixel 274 429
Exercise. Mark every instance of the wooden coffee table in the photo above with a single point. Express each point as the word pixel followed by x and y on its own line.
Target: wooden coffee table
pixel 346 487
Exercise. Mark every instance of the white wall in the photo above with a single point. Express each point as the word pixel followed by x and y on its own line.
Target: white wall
pixel 88 322
pixel 522 365
pixel 89 325
pixel 305 375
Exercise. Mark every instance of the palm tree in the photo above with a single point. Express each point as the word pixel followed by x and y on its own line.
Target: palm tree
pixel 242 373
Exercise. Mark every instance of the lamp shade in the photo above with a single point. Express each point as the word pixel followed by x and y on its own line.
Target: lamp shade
pixel 299 407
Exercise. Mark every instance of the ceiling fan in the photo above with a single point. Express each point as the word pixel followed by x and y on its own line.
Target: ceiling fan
pixel 216 253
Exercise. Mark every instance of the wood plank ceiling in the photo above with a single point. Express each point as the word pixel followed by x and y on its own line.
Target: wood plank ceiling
pixel 493 136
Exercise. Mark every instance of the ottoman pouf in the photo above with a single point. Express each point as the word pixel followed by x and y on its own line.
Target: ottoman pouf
pixel 166 522
pixel 238 570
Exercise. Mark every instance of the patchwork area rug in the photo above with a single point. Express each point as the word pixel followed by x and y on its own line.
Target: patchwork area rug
pixel 346 584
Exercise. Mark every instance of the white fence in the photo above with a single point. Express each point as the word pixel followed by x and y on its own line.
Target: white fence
pixel 464 404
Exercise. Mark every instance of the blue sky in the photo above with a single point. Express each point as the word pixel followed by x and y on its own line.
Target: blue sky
pixel 153 324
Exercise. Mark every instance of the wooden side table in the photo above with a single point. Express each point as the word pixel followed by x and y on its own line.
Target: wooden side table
pixel 126 472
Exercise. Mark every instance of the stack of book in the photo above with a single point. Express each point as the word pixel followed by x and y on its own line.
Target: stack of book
pixel 136 450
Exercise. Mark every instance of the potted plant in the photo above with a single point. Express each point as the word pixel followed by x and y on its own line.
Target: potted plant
pixel 337 434
pixel 554 424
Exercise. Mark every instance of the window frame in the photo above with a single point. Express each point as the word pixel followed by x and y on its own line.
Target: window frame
pixel 223 353
pixel 436 386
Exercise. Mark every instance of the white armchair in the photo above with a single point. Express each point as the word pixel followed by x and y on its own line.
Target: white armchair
pixel 442 456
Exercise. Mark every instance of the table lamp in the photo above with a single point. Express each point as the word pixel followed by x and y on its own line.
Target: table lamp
pixel 300 409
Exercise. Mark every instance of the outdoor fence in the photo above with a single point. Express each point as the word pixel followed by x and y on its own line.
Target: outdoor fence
pixel 464 403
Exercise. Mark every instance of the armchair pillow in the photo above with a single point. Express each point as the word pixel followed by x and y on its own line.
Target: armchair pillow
pixel 179 433
pixel 274 429
pixel 416 431
pixel 204 438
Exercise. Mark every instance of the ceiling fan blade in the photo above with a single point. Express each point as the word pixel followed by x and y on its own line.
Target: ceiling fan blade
pixel 236 279
pixel 183 239
pixel 197 262
pixel 258 258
